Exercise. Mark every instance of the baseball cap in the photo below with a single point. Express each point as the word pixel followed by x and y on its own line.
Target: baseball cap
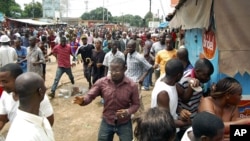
pixel 4 39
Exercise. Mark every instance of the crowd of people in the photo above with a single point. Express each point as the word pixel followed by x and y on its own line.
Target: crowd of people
pixel 118 66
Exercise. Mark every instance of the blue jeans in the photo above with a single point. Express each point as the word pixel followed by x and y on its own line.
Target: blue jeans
pixel 59 73
pixel 148 80
pixel 107 131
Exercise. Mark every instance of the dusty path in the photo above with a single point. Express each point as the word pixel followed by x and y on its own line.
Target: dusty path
pixel 73 122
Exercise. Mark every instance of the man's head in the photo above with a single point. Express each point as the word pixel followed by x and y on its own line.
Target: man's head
pixel 32 41
pixel 109 44
pixel 182 55
pixel 203 70
pixel 124 35
pixel 43 38
pixel 108 36
pixel 148 36
pixel 134 36
pixel 8 75
pixel 162 38
pixel 174 69
pixel 63 41
pixel 117 69
pixel 27 33
pixel 169 42
pixel 156 124
pixel 74 37
pixel 115 46
pixel 131 46
pixel 35 92
pixel 207 127
pixel 84 39
pixel 98 43
pixel 17 42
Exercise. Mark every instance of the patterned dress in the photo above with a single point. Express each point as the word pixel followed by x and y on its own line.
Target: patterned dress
pixel 35 55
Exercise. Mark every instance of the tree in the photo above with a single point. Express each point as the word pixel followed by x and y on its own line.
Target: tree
pixel 148 17
pixel 137 21
pixel 97 14
pixel 33 10
pixel 128 19
pixel 10 8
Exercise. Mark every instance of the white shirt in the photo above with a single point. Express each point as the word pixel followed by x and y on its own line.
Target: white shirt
pixel 8 106
pixel 172 94
pixel 57 40
pixel 30 127
pixel 110 56
pixel 7 55
pixel 185 135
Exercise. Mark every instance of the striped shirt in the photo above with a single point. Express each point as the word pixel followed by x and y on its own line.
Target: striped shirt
pixel 63 55
pixel 136 66
pixel 193 104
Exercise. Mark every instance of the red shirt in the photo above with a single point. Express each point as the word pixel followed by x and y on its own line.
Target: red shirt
pixel 1 90
pixel 51 39
pixel 63 55
pixel 124 95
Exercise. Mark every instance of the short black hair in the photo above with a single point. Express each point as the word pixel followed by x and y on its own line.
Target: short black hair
pixel 173 67
pixel 148 35
pixel 14 69
pixel 30 80
pixel 118 61
pixel 117 43
pixel 169 36
pixel 63 38
pixel 204 63
pixel 206 124
pixel 182 54
pixel 44 38
pixel 156 124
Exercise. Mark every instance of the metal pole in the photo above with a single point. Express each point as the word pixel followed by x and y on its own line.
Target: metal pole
pixel 33 10
pixel 107 13
pixel 103 13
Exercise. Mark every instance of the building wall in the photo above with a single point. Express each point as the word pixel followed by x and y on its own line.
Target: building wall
pixel 194 44
pixel 50 7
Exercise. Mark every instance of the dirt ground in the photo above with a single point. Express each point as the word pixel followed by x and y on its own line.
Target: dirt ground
pixel 74 122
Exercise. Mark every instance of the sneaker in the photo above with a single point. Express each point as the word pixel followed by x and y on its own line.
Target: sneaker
pixel 51 94
pixel 145 89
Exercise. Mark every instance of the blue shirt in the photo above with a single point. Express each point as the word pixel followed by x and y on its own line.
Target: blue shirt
pixel 25 42
pixel 20 53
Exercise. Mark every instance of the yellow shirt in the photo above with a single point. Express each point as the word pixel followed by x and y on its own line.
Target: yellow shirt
pixel 162 57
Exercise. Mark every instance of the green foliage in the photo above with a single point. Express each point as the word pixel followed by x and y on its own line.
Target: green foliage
pixel 97 14
pixel 132 20
pixel 33 10
pixel 148 17
pixel 10 8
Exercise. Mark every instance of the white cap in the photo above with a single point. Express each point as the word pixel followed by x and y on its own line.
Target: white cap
pixel 17 35
pixel 4 39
